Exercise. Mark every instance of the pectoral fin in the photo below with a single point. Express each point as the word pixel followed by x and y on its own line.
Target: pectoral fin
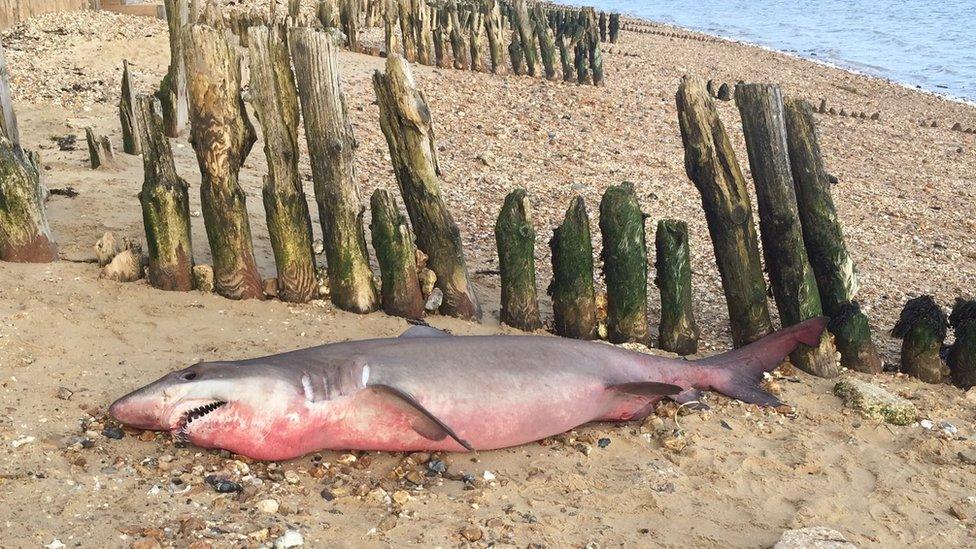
pixel 423 330
pixel 647 389
pixel 423 421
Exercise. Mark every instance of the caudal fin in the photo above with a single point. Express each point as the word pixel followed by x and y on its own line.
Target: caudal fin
pixel 737 373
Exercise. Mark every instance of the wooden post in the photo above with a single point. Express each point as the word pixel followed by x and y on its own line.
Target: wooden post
pixel 523 25
pixel 494 30
pixel 328 14
pixel 515 242
pixel 222 136
pixel 127 116
pixel 596 58
pixel 441 24
pixel 349 18
pixel 582 59
pixel 275 100
pixel 172 90
pixel 391 20
pixel 624 264
pixel 824 240
pixel 573 296
pixel 614 27
pixel 165 204
pixel 459 48
pixel 711 164
pixel 425 32
pixel 962 354
pixel 406 123
pixel 516 55
pixel 547 42
pixel 476 41
pixel 792 279
pixel 100 151
pixel 567 40
pixel 679 332
pixel 396 256
pixel 331 148
pixel 922 329
pixel 603 26
pixel 408 28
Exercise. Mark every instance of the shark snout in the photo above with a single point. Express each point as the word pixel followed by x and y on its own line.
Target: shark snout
pixel 140 411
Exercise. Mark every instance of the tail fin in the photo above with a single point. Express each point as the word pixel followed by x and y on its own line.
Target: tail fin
pixel 737 373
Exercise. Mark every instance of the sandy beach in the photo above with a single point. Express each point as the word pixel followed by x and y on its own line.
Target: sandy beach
pixel 737 476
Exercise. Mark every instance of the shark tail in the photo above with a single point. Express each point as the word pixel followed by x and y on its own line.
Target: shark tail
pixel 737 373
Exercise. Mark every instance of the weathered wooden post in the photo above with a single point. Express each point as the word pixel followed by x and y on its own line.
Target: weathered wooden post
pixel 425 32
pixel 391 20
pixel 100 151
pixel 962 354
pixel 396 256
pixel 494 30
pixel 523 25
pixel 476 40
pixel 679 332
pixel 614 30
pixel 547 42
pixel 571 289
pixel 515 241
pixel 172 90
pixel 222 136
pixel 275 100
pixel 406 123
pixel 127 115
pixel 459 46
pixel 328 14
pixel 624 264
pixel 603 26
pixel 408 30
pixel 922 329
pixel 824 240
pixel 596 56
pixel 165 204
pixel 791 276
pixel 516 55
pixel 711 164
pixel 349 18
pixel 441 34
pixel 331 148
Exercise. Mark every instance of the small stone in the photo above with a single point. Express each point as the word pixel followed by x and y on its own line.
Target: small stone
pixel 414 477
pixel 401 497
pixel 488 476
pixel 967 456
pixel 388 523
pixel 435 300
pixel 814 537
pixel 436 466
pixel 327 495
pixel 318 246
pixel 145 543
pixel 126 266
pixel 56 544
pixel 960 510
pixel 876 116
pixel 268 506
pixel 291 538
pixel 471 533
pixel 291 477
pixel 427 280
pixel 191 525
pixel 22 441
pixel 873 402
pixel 948 428
pixel 65 393
pixel 113 433
pixel 222 485
pixel 926 424
pixel 603 442
pixel 203 278
pixel 107 247
pixel 957 127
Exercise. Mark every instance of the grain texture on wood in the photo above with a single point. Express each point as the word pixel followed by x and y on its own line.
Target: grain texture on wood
pixel 173 89
pixel 127 114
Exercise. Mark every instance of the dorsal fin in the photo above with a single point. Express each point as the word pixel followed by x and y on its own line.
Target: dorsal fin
pixel 423 330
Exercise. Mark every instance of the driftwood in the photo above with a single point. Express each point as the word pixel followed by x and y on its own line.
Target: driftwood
pixel 406 123
pixel 397 258
pixel 573 296
pixel 275 100
pixel 173 89
pixel 824 242
pixel 331 148
pixel 679 333
pixel 790 274
pixel 711 164
pixel 222 136
pixel 127 114
pixel 100 151
pixel 624 265
pixel 165 204
pixel 922 329
pixel 515 242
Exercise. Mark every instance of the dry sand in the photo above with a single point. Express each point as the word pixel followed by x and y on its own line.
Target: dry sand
pixel 737 477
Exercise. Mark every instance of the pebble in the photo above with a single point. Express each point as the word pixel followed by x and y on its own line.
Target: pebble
pixel 56 544
pixel 388 523
pixel 814 537
pixel 113 433
pixel 967 456
pixel 435 300
pixel 291 477
pixel 291 538
pixel 327 495
pixel 472 533
pixel 488 476
pixel 436 466
pixel 65 393
pixel 222 485
pixel 22 441
pixel 926 424
pixel 268 506
pixel 603 442
pixel 145 543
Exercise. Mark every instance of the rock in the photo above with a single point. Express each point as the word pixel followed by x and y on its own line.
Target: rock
pixel 876 403
pixel 436 466
pixel 487 159
pixel 222 485
pixel 435 300
pixel 814 537
pixel 65 393
pixel 876 116
pixel 957 127
pixel 113 433
pixel 926 424
pixel 603 442
pixel 291 538
pixel 388 523
pixel 22 441
pixel 109 246
pixel 823 106
pixel 831 110
pixel 268 506
pixel 291 477
pixel 270 287
pixel 401 497
pixel 125 267
pixel 145 543
pixel 471 533
pixel 203 278
pixel 427 280
pixel 967 456
pixel 318 246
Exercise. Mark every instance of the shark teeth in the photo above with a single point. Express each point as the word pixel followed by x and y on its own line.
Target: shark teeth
pixel 181 433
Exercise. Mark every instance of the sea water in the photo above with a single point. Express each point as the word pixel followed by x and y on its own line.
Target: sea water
pixel 922 43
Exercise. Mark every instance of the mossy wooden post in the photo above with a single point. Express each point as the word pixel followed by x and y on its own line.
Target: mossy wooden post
pixel 678 333
pixel 515 242
pixel 173 89
pixel 275 100
pixel 582 60
pixel 391 20
pixel 495 32
pixel 522 23
pixel 408 28
pixel 165 203
pixel 547 42
pixel 516 55
pixel 331 148
pixel 824 241
pixel 406 123
pixel 603 26
pixel 614 28
pixel 396 255
pixel 567 40
pixel 711 164
pixel 349 18
pixel 922 329
pixel 593 48
pixel 624 264
pixel 791 276
pixel 962 354
pixel 571 289
pixel 222 136
pixel 127 114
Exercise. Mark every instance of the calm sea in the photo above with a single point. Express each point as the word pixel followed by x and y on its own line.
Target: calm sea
pixel 925 43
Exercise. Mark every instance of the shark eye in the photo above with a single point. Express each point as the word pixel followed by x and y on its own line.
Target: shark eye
pixel 189 376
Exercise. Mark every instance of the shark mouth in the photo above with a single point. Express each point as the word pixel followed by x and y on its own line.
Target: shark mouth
pixel 181 433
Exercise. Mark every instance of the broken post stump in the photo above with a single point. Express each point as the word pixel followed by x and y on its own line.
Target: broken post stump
pixel 516 55
pixel 127 114
pixel 100 151
pixel 571 289
pixel 173 89
pixel 331 149
pixel 614 29
pixel 222 137
pixel 515 242
pixel 922 329
pixel 790 274
pixel 678 333
pixel 823 238
pixel 711 164
pixel 406 123
pixel 962 355
pixel 349 19
pixel 624 265
pixel 165 204
pixel 397 258
pixel 547 42
pixel 275 100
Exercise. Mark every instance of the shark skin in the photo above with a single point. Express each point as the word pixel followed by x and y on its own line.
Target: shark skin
pixel 430 391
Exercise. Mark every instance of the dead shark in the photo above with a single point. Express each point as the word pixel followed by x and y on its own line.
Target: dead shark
pixel 430 391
